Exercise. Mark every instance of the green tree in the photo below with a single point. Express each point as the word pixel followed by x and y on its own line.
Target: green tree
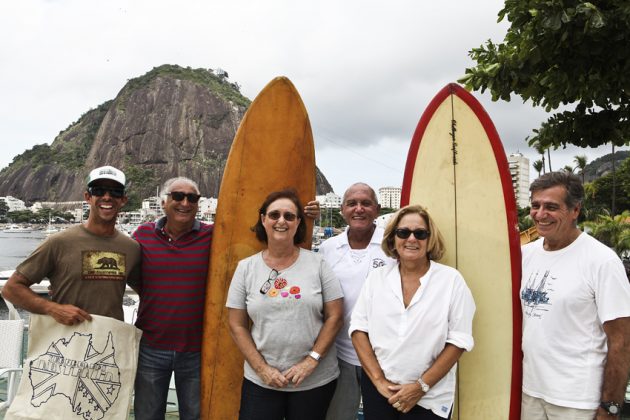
pixel 541 150
pixel 538 165
pixel 4 209
pixel 568 168
pixel 613 231
pixel 580 163
pixel 561 52
pixel 615 184
pixel 524 219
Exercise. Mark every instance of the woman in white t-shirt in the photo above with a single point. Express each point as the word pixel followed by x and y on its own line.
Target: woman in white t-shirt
pixel 294 304
pixel 412 322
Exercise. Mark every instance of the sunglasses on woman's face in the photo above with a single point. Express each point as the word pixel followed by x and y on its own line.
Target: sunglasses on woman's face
pixel 275 215
pixel 179 196
pixel 419 234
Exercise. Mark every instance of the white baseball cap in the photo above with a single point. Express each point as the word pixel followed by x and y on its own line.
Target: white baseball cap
pixel 106 172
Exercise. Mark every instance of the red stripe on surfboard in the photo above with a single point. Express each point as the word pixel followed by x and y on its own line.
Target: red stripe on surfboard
pixel 511 216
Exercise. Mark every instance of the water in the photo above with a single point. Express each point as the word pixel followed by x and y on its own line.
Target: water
pixel 14 248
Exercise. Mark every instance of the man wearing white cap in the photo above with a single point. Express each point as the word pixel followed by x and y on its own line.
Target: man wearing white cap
pixel 88 265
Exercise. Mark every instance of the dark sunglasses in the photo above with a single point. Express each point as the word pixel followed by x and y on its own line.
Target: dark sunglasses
pixel 267 285
pixel 275 215
pixel 179 196
pixel 101 191
pixel 419 234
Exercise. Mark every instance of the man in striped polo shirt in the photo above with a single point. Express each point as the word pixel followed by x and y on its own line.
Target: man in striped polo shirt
pixel 175 251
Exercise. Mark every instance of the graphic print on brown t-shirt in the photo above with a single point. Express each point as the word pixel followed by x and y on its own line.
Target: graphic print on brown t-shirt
pixel 102 265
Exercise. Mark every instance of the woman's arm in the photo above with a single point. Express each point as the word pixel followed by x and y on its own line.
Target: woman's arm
pixel 333 320
pixel 369 363
pixel 408 395
pixel 238 321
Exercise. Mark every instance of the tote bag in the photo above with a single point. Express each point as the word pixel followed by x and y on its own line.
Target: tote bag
pixel 84 371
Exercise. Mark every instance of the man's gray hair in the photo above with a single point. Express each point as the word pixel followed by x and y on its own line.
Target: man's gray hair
pixel 166 188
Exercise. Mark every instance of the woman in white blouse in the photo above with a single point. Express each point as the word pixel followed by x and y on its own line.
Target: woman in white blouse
pixel 412 322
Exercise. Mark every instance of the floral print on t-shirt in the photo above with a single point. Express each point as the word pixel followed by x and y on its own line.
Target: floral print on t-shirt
pixel 282 288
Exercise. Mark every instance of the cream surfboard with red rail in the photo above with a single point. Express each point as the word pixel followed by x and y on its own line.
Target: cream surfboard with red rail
pixel 457 169
pixel 273 149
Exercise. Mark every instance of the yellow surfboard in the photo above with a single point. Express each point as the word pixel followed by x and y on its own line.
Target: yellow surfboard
pixel 273 149
pixel 457 169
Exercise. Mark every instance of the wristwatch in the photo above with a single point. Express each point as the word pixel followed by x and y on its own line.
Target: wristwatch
pixel 423 385
pixel 612 408
pixel 315 355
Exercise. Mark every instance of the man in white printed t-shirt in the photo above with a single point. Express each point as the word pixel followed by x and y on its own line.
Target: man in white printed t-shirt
pixel 352 256
pixel 575 298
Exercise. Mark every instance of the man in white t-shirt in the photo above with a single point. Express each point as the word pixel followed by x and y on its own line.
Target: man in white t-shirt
pixel 575 298
pixel 352 256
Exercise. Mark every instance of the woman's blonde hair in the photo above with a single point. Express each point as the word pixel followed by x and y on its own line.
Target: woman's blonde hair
pixel 435 244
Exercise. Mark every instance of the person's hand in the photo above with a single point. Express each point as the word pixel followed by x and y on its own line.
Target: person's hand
pixel 405 397
pixel 382 386
pixel 300 371
pixel 272 377
pixel 67 314
pixel 312 209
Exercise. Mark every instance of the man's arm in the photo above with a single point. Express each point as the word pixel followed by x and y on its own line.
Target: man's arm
pixel 17 290
pixel 617 362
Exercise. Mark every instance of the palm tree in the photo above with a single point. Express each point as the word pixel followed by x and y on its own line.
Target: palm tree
pixel 580 163
pixel 568 169
pixel 538 165
pixel 541 150
pixel 613 231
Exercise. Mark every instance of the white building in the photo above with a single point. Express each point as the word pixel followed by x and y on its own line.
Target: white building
pixel 519 170
pixel 14 204
pixel 207 209
pixel 151 208
pixel 329 201
pixel 389 197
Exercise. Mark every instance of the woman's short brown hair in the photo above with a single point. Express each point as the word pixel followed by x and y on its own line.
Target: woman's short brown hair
pixel 289 194
pixel 435 244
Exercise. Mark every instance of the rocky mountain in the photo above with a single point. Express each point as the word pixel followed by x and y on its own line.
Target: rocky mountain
pixel 172 121
pixel 603 165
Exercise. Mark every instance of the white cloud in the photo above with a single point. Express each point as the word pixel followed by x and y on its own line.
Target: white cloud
pixel 365 69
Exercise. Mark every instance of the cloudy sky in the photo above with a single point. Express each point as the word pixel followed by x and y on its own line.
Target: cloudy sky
pixel 365 69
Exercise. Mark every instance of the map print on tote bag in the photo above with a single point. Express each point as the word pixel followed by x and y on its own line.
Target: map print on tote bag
pixel 80 372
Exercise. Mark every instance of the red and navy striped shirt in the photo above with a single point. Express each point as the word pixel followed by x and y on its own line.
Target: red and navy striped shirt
pixel 173 285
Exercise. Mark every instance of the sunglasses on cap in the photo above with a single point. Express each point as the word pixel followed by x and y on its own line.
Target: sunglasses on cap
pixel 275 215
pixel 101 191
pixel 419 234
pixel 179 196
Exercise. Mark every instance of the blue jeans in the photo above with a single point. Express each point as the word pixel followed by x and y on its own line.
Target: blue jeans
pixel 258 403
pixel 153 377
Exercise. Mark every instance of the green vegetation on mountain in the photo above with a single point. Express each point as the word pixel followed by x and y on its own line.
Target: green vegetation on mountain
pixel 206 77
pixel 70 148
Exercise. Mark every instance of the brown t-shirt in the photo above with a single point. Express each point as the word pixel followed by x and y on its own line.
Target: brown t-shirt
pixel 86 270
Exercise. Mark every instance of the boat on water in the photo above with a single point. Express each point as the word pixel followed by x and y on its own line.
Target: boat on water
pixel 17 229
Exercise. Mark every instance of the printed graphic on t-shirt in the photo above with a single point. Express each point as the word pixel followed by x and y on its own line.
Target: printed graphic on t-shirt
pixel 102 265
pixel 535 294
pixel 282 289
pixel 377 262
